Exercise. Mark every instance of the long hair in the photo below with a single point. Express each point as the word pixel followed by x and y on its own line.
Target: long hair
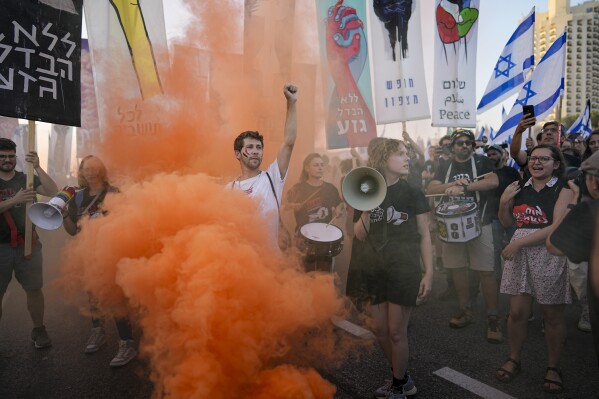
pixel 381 152
pixel 304 176
pixel 556 154
pixel 587 151
pixel 103 172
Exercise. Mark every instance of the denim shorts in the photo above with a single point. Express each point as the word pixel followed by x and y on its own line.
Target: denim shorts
pixel 28 272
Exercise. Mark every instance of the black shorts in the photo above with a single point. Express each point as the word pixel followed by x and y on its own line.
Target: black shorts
pixel 392 274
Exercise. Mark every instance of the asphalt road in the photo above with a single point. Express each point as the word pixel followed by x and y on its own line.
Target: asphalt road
pixel 64 371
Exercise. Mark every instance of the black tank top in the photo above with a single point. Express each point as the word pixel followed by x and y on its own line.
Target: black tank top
pixel 534 210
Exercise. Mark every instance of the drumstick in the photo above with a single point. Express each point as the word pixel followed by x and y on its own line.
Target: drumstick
pixel 435 195
pixel 334 217
pixel 483 176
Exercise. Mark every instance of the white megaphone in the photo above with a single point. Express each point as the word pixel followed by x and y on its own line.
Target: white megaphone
pixel 364 188
pixel 48 215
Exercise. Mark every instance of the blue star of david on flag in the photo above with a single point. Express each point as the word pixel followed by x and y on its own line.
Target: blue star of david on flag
pixel 504 62
pixel 529 94
pixel 513 63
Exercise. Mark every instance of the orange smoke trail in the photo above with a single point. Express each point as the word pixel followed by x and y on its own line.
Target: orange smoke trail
pixel 220 308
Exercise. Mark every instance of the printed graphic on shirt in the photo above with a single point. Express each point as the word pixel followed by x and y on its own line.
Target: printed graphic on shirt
pixel 529 215
pixel 393 216
pixel 460 176
pixel 8 193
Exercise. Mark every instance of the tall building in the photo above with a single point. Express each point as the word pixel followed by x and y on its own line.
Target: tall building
pixel 582 24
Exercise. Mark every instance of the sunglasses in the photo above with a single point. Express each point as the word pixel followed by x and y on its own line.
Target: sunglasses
pixel 461 143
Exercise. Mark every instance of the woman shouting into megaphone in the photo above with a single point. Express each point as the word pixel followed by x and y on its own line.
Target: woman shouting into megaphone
pixel 395 238
pixel 93 180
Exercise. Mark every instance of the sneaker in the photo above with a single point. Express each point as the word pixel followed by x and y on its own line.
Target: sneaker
pixel 584 324
pixel 494 334
pixel 462 320
pixel 125 354
pixel 96 340
pixel 395 393
pixel 409 388
pixel 40 338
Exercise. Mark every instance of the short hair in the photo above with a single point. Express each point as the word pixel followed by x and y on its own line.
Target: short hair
pixel 442 139
pixel 550 123
pixel 382 151
pixel 7 145
pixel 556 154
pixel 103 172
pixel 304 176
pixel 248 134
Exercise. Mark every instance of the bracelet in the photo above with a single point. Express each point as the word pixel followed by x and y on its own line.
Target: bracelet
pixel 570 206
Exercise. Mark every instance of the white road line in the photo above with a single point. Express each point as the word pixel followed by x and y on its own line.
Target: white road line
pixel 352 328
pixel 470 384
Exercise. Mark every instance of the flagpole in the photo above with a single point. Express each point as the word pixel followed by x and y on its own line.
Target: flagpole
pixel 29 170
pixel 559 121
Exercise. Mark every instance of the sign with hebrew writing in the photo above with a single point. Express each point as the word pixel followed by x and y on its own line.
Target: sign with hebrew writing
pixel 40 60
pixel 454 83
pixel 348 92
pixel 398 65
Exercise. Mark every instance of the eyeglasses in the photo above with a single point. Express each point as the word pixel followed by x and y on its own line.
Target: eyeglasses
pixel 542 160
pixel 461 143
pixel 549 130
pixel 11 157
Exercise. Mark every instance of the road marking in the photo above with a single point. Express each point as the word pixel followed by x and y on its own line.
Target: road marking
pixel 352 328
pixel 470 384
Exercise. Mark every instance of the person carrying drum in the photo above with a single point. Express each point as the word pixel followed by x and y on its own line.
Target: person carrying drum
pixel 395 239
pixel 266 187
pixel 315 204
pixel 470 177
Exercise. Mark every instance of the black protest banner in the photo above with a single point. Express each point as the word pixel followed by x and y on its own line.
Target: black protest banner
pixel 40 57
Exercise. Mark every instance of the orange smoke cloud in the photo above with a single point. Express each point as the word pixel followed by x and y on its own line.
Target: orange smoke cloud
pixel 214 297
pixel 223 313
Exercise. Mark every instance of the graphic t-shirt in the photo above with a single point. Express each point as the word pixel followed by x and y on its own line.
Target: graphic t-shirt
pixel 317 202
pixel 9 189
pixel 463 170
pixel 534 209
pixel 398 211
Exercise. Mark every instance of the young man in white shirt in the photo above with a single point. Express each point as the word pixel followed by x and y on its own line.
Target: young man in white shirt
pixel 266 186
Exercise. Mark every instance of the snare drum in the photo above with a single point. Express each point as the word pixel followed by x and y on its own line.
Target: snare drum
pixel 457 221
pixel 320 239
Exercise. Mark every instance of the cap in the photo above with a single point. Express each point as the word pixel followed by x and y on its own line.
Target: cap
pixel 495 147
pixel 461 132
pixel 591 165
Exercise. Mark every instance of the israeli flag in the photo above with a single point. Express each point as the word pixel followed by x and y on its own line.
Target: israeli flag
pixel 481 133
pixel 503 114
pixel 510 70
pixel 583 124
pixel 491 136
pixel 543 89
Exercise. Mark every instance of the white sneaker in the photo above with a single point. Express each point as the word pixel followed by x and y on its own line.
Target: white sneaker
pixel 126 353
pixel 96 340
pixel 584 324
